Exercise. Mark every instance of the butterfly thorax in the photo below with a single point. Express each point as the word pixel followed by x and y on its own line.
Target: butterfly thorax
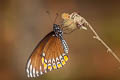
pixel 57 30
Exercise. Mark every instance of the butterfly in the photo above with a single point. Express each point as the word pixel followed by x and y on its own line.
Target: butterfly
pixel 51 53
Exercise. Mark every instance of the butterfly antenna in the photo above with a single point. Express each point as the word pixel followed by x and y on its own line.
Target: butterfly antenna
pixel 49 16
pixel 56 18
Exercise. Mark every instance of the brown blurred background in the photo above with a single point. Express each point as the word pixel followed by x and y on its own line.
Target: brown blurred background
pixel 23 23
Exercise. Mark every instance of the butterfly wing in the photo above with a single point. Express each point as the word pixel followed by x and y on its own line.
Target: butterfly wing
pixel 34 60
pixel 55 56
pixel 49 54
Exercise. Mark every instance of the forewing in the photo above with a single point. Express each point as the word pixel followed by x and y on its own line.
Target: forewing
pixel 34 62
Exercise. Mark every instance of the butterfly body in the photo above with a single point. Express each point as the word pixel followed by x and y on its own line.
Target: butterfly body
pixel 51 53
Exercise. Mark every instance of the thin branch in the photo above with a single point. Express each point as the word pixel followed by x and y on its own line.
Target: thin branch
pixel 75 18
pixel 99 39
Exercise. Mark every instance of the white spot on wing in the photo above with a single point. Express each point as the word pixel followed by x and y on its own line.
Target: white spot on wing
pixel 49 61
pixel 31 70
pixel 60 57
pixel 53 60
pixel 63 54
pixel 37 73
pixel 28 64
pixel 57 59
pixel 28 72
pixel 43 54
pixel 58 62
pixel 41 72
pixel 45 61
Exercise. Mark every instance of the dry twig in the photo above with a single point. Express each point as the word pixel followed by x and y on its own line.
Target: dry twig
pixel 75 21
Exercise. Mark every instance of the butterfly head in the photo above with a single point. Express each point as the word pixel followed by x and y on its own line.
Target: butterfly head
pixel 57 30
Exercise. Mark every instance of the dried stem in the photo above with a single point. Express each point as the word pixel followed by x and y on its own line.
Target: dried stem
pixel 75 18
pixel 99 39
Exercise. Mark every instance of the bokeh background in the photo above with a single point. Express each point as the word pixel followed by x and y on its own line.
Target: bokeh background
pixel 23 23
